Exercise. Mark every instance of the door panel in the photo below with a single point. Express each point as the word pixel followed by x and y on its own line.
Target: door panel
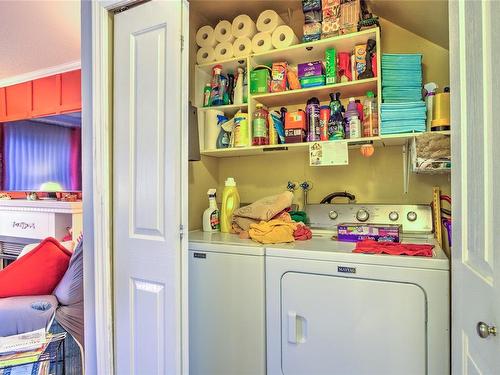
pixel 71 91
pixel 475 90
pixel 147 194
pixel 338 325
pixel 46 95
pixel 18 101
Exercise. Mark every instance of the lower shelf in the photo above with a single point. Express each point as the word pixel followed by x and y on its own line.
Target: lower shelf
pixel 381 141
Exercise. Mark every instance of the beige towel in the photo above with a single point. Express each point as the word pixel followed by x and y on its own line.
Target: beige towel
pixel 262 210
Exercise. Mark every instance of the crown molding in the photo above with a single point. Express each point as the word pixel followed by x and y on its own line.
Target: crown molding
pixel 25 77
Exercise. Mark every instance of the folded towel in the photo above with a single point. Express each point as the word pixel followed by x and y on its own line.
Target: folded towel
pixel 302 233
pixel 264 209
pixel 273 231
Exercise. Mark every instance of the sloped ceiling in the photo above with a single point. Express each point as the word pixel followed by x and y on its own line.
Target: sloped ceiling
pixel 426 18
pixel 36 35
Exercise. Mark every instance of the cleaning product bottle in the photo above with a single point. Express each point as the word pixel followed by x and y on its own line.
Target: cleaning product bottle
pixel 230 202
pixel 312 112
pixel 370 120
pixel 336 122
pixel 217 92
pixel 352 116
pixel 230 88
pixel 430 93
pixel 206 95
pixel 260 126
pixel 238 87
pixel 211 214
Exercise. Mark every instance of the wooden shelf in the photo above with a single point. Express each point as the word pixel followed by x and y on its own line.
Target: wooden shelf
pixel 291 97
pixel 312 51
pixel 382 141
pixel 227 109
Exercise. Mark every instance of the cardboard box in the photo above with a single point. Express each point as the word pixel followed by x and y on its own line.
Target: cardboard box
pixel 350 14
pixel 359 232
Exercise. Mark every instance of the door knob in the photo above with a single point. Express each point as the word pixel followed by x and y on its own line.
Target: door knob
pixel 484 330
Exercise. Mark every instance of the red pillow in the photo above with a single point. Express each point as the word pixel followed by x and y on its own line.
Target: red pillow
pixel 36 273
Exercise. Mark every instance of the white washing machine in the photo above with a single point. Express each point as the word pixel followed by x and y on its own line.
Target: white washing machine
pixel 331 311
pixel 227 329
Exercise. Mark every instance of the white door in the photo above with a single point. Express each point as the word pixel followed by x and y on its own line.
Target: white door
pixel 147 176
pixel 475 111
pixel 339 325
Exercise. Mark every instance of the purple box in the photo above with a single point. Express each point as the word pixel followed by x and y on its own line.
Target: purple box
pixel 360 232
pixel 313 68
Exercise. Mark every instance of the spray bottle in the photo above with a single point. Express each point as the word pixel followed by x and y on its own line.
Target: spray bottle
pixel 211 214
pixel 238 88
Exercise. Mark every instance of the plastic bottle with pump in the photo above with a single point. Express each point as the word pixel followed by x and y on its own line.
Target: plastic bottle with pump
pixel 260 126
pixel 211 221
pixel 352 117
pixel 370 120
pixel 230 202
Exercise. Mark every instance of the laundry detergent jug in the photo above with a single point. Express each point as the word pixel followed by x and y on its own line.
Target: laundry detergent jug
pixel 230 202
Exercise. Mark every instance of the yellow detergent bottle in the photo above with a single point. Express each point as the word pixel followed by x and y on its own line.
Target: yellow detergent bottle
pixel 230 202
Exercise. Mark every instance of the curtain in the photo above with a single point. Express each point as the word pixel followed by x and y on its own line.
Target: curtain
pixel 36 153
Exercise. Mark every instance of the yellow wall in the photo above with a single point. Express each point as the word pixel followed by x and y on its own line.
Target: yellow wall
pixel 377 179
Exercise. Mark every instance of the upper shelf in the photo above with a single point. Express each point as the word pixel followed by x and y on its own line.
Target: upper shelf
pixel 298 53
pixel 291 97
pixel 382 141
pixel 313 51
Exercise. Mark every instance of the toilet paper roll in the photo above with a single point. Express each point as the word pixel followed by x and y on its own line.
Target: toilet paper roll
pixel 205 37
pixel 268 21
pixel 223 32
pixel 242 26
pixel 224 51
pixel 283 36
pixel 211 129
pixel 262 42
pixel 242 46
pixel 205 55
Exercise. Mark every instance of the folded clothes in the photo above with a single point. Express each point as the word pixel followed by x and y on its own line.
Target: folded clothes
pixel 264 209
pixel 273 231
pixel 302 233
pixel 393 248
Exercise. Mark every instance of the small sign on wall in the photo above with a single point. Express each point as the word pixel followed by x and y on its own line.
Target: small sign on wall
pixel 323 154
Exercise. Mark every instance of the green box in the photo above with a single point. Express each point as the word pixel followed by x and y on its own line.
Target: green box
pixel 259 81
pixel 331 66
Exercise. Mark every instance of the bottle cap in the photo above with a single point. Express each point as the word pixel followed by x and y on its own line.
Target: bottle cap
pixel 230 182
pixel 370 94
pixel 211 192
pixel 259 105
pixel 352 100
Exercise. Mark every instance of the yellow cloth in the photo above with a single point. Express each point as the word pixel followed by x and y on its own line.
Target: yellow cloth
pixel 273 231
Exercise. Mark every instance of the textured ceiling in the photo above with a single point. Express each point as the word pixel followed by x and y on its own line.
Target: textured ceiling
pixel 36 35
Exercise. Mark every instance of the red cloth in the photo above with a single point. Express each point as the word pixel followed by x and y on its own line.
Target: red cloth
pixel 36 273
pixel 302 233
pixel 392 248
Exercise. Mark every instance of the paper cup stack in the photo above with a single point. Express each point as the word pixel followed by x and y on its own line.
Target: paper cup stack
pixel 243 36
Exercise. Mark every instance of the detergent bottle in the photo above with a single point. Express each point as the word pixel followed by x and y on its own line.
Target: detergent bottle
pixel 211 214
pixel 230 202
pixel 336 122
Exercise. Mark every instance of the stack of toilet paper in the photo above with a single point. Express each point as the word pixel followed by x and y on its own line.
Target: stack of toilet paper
pixel 243 36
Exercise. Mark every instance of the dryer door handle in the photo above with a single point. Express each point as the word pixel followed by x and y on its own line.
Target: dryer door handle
pixel 297 328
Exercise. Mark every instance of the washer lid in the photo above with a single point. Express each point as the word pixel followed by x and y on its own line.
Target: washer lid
pixel 223 243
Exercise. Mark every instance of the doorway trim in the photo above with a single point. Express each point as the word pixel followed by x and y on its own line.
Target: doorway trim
pixel 97 121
